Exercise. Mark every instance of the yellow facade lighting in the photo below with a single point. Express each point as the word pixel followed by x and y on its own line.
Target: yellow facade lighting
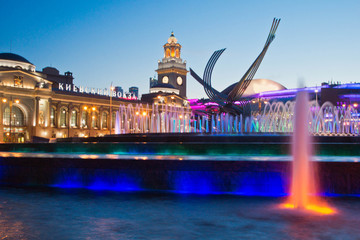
pixel 93 108
pixel 4 100
pixel 144 113
pixel 137 113
pixel 17 101
pixel 85 108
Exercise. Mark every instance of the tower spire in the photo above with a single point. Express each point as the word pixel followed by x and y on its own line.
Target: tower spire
pixel 171 69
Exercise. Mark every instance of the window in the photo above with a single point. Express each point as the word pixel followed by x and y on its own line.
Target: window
pixel 104 120
pixel 172 52
pixel 84 119
pixel 167 53
pixel 63 117
pixel 17 117
pixel 94 120
pixel 74 118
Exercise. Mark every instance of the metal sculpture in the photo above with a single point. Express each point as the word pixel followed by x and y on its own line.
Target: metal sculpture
pixel 226 101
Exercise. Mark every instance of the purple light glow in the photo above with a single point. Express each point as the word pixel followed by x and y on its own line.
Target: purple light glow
pixel 349 85
pixel 193 101
pixel 351 96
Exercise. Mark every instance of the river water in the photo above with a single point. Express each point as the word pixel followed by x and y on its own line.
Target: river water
pixel 77 214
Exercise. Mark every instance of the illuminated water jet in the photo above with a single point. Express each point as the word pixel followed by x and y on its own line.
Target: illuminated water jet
pixel 304 186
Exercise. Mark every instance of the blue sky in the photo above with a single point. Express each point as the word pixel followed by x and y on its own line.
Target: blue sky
pixel 121 41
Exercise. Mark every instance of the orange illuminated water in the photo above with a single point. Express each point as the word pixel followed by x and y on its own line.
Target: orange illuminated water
pixel 304 184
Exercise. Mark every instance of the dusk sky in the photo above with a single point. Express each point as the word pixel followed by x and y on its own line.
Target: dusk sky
pixel 121 41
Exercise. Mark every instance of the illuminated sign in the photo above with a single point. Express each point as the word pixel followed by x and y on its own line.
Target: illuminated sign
pixel 96 91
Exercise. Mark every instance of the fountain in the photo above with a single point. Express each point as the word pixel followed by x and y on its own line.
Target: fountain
pixel 222 153
pixel 303 171
pixel 276 117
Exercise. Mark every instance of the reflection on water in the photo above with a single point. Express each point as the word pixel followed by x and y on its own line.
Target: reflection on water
pixel 60 214
pixel 10 228
pixel 176 157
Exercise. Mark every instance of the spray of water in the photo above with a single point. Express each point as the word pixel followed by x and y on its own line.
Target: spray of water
pixel 304 187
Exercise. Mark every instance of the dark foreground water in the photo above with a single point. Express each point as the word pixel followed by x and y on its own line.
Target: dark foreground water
pixel 74 214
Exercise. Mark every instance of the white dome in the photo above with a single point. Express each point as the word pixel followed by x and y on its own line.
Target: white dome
pixel 15 61
pixel 262 85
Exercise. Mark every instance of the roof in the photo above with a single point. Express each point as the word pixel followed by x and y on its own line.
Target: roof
pixel 13 57
pixel 257 86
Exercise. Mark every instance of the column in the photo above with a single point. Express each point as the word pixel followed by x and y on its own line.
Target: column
pixel 2 105
pixel 81 110
pixel 90 114
pixel 48 114
pixel 36 111
pixel 70 106
pixel 58 113
pixel 109 120
pixel 78 120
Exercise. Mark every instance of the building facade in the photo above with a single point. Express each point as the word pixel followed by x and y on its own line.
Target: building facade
pixel 47 104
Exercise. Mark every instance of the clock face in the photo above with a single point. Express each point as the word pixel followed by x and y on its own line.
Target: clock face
pixel 179 81
pixel 165 79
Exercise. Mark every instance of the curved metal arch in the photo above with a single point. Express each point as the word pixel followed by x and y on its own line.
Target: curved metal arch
pixel 244 82
pixel 199 79
pixel 213 95
pixel 227 101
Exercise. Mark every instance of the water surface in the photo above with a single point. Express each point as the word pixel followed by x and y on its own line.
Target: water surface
pixel 78 214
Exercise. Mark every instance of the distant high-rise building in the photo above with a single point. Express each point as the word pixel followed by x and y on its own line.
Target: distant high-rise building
pixel 119 89
pixel 153 82
pixel 134 91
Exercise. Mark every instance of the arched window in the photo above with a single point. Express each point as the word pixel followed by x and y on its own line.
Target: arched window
pixel 172 52
pixel 52 117
pixel 17 117
pixel 177 53
pixel 94 120
pixel 63 117
pixel 104 120
pixel 167 52
pixel 74 118
pixel 84 119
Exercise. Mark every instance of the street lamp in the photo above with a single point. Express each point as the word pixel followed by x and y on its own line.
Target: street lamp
pixel 111 94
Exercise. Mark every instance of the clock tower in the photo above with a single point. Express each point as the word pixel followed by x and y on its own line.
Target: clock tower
pixel 172 69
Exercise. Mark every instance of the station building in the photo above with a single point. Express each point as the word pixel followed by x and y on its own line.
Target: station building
pixel 47 104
